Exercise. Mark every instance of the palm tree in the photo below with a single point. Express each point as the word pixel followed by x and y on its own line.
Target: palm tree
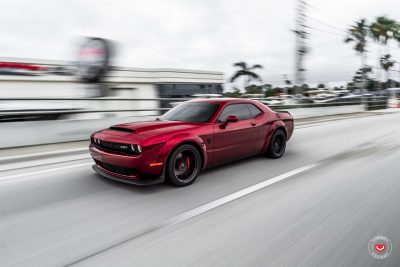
pixel 358 34
pixel 396 36
pixel 246 72
pixel 288 83
pixel 387 63
pixel 361 77
pixel 382 30
pixel 234 93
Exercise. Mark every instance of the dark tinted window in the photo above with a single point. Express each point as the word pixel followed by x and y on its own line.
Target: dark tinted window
pixel 192 112
pixel 255 111
pixel 239 110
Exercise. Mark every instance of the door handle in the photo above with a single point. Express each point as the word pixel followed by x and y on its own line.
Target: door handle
pixel 253 124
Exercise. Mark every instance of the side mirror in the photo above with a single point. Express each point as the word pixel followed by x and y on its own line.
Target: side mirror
pixel 231 118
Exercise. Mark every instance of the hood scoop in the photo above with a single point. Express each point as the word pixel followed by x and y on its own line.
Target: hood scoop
pixel 121 129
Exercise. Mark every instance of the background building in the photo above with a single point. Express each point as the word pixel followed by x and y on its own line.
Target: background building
pixel 58 80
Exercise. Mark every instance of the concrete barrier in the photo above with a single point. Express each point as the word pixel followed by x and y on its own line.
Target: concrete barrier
pixel 28 133
pixel 300 113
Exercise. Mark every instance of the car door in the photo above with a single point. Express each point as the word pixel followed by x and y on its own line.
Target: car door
pixel 234 140
pixel 262 128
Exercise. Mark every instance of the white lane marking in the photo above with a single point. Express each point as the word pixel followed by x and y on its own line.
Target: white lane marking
pixel 229 198
pixel 40 162
pixel 200 210
pixel 48 153
pixel 6 178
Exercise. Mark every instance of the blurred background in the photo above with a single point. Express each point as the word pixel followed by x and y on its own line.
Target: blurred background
pixel 313 58
pixel 71 67
pixel 140 59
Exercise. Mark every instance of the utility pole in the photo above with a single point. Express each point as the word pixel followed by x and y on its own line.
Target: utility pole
pixel 285 81
pixel 301 48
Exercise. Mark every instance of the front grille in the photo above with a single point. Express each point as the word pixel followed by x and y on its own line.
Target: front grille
pixel 119 148
pixel 118 169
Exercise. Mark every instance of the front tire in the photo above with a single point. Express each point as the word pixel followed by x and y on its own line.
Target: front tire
pixel 277 145
pixel 183 165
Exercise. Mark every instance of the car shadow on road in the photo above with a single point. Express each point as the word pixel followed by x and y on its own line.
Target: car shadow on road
pixel 241 164
pixel 137 189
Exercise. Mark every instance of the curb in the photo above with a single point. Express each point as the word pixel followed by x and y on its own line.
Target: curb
pixel 24 157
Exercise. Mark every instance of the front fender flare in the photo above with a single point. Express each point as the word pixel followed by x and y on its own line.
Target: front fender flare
pixel 178 140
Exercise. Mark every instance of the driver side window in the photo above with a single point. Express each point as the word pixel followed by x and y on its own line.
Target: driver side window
pixel 239 110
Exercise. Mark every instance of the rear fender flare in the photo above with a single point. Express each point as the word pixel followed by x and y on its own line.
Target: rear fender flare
pixel 274 126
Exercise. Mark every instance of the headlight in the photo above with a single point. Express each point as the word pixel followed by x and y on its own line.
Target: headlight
pixel 136 148
pixel 95 141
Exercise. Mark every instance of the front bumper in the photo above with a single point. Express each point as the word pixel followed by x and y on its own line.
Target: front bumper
pixel 119 178
pixel 125 168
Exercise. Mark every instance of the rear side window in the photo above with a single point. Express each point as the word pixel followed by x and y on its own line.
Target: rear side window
pixel 255 111
pixel 239 110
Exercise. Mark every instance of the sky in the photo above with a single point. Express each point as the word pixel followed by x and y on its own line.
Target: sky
pixel 196 34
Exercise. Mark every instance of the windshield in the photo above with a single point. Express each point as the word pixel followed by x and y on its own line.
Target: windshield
pixel 192 112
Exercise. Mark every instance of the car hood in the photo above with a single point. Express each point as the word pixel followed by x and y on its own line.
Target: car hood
pixel 144 131
pixel 152 127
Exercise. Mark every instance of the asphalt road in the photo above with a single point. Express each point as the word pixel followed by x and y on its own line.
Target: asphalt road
pixel 337 187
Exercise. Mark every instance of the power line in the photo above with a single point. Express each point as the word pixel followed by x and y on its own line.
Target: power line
pixel 341 35
pixel 326 24
pixel 321 30
pixel 328 15
pixel 334 27
pixel 302 35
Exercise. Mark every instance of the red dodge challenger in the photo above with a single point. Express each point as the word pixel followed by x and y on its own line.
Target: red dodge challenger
pixel 189 138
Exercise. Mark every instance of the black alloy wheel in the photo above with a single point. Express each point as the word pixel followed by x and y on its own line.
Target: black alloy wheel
pixel 184 164
pixel 277 144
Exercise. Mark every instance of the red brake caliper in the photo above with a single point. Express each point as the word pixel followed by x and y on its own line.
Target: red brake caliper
pixel 188 162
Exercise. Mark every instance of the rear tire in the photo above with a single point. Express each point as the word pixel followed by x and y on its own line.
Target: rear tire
pixel 277 145
pixel 183 165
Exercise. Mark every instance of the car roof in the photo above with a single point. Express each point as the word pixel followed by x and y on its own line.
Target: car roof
pixel 224 100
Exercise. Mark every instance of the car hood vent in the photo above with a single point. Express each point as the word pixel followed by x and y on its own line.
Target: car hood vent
pixel 121 129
